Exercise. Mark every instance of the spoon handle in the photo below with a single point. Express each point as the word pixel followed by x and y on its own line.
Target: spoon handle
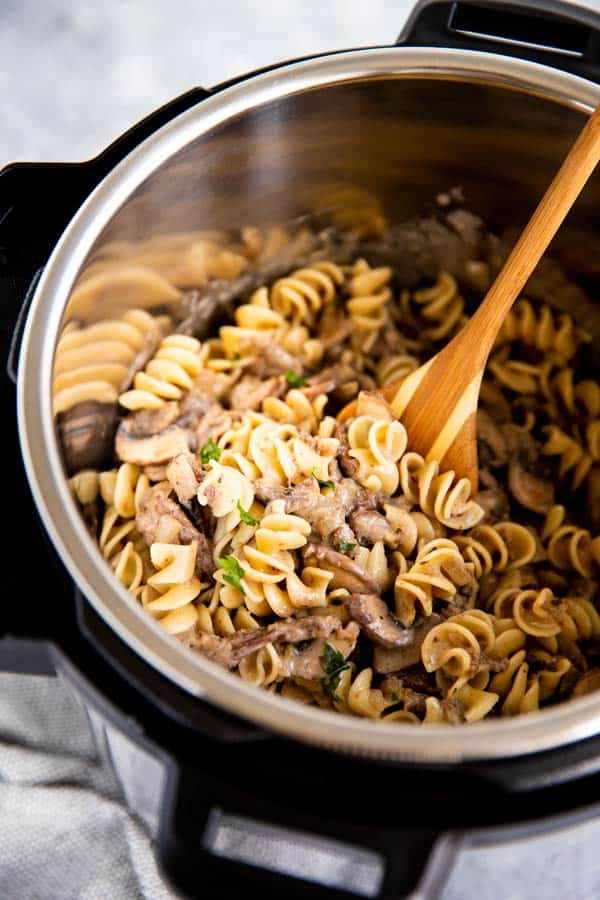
pixel 566 186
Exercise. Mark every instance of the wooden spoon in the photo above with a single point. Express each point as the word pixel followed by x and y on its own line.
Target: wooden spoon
pixel 438 402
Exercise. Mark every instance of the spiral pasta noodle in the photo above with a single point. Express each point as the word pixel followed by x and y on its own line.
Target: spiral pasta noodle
pixel 169 373
pixel 325 561
pixel 94 362
pixel 441 304
pixel 541 328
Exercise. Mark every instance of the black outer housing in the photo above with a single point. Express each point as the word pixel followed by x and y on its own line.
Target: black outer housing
pixel 49 627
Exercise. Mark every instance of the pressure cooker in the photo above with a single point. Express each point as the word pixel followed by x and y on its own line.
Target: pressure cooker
pixel 242 789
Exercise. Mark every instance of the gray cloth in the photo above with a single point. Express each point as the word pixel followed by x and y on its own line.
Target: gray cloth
pixel 65 834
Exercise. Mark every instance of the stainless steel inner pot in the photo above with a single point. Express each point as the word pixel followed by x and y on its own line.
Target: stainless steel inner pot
pixel 402 124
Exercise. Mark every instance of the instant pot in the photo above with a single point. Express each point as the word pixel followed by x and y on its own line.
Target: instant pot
pixel 242 790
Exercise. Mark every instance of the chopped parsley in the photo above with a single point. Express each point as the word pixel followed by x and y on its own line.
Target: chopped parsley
pixel 294 380
pixel 209 451
pixel 322 484
pixel 556 601
pixel 395 697
pixel 333 664
pixel 245 516
pixel 233 571
pixel 235 357
pixel 345 546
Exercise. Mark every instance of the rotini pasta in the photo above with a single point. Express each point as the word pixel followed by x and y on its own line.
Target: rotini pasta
pixel 94 362
pixel 325 561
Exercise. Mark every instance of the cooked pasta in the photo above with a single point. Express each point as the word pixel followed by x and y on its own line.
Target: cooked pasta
pixel 328 562
pixel 94 362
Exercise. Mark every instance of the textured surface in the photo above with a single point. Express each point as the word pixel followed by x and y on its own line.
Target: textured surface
pixel 67 836
pixel 72 77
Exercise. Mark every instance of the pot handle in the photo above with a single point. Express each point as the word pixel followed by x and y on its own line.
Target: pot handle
pixel 550 32
pixel 37 200
pixel 213 832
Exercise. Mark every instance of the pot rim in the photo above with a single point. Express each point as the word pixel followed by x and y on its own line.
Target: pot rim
pixel 555 726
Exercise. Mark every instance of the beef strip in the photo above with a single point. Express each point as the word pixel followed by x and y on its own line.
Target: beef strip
pixel 304 660
pixel 229 651
pixel 326 514
pixel 386 661
pixel 337 381
pixel 348 464
pixel 424 246
pixel 157 503
pixel 274 360
pixel 184 474
pixel 201 310
pixel 215 422
pixel 377 621
pixel 411 700
pixel 250 391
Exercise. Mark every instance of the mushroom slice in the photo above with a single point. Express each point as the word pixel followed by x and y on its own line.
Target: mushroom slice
pixel 150 449
pixel 371 526
pixel 492 443
pixel 377 621
pixel 87 433
pixel 346 573
pixel 394 659
pixel 530 491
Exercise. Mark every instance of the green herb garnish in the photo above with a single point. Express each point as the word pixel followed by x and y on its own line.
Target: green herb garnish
pixel 235 357
pixel 209 451
pixel 245 516
pixel 333 664
pixel 328 484
pixel 345 546
pixel 294 380
pixel 556 601
pixel 395 697
pixel 233 571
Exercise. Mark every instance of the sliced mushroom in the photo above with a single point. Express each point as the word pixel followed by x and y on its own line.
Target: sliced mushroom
pixel 229 651
pixel 530 491
pixel 490 440
pixel 346 573
pixel 150 449
pixel 388 660
pixel 371 526
pixel 377 621
pixel 303 660
pixel 87 433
